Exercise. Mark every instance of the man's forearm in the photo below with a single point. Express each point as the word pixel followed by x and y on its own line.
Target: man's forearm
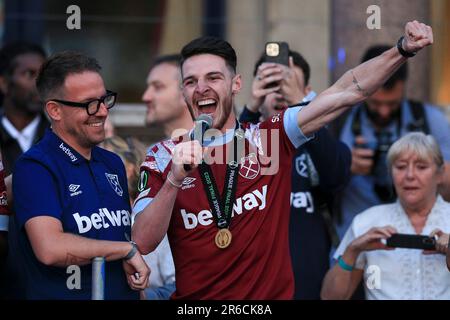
pixel 54 247
pixel 152 223
pixel 75 250
pixel 363 80
pixel 66 249
pixel 353 87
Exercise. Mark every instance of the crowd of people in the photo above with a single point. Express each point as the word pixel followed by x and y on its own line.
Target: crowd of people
pixel 254 208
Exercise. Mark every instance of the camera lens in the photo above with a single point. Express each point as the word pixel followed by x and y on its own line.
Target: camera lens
pixel 382 180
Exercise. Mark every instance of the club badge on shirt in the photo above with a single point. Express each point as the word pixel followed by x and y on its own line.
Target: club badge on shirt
pixel 249 166
pixel 301 167
pixel 113 180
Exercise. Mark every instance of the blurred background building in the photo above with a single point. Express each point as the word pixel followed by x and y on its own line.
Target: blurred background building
pixel 332 35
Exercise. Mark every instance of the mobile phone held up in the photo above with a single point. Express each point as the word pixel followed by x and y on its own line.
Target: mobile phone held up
pixel 276 52
pixel 411 241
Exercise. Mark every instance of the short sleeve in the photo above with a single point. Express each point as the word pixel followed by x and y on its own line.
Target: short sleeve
pixel 279 134
pixel 292 129
pixel 150 182
pixel 35 192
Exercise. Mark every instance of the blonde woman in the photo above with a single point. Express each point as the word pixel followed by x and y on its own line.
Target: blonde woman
pixel 416 166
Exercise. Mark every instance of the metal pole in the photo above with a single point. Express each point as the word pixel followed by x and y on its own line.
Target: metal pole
pixel 98 278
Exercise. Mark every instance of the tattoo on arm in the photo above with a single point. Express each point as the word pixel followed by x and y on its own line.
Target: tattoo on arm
pixel 358 87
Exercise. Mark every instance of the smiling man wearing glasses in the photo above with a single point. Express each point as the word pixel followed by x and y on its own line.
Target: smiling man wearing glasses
pixel 71 196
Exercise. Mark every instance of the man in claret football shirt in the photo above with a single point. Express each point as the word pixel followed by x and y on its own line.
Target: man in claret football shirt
pixel 228 223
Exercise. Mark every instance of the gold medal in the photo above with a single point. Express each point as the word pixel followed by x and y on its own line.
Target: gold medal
pixel 223 238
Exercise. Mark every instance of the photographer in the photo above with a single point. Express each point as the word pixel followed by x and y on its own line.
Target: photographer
pixel 371 128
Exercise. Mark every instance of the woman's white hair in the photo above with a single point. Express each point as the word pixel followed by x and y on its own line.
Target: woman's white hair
pixel 424 146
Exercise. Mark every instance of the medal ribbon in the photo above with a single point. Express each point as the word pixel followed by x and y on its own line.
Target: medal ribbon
pixel 222 207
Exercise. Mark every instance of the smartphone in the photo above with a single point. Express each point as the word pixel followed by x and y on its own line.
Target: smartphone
pixel 277 52
pixel 411 241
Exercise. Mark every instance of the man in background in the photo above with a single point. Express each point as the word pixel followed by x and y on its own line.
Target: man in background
pixel 167 108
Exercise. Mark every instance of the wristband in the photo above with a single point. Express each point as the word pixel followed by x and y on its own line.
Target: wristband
pixel 402 51
pixel 171 182
pixel 343 265
pixel 132 252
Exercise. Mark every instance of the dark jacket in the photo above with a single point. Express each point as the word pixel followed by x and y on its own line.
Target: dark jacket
pixel 10 148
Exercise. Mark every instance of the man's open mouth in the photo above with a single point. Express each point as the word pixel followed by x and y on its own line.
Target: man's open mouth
pixel 207 106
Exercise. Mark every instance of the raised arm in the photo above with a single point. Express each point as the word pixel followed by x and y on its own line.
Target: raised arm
pixel 360 82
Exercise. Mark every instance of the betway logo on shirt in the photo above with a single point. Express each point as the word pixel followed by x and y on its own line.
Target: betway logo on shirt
pixel 300 200
pixel 67 151
pixel 249 201
pixel 103 219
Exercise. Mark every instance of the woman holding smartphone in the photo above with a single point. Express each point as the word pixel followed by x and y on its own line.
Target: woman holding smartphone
pixel 416 165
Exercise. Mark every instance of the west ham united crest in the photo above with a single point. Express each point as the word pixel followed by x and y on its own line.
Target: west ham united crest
pixel 249 166
pixel 301 167
pixel 113 180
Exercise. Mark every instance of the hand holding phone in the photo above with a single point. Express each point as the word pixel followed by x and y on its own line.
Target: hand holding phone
pixel 411 241
pixel 276 52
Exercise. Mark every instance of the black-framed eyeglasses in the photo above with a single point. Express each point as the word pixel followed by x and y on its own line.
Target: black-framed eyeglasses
pixel 92 106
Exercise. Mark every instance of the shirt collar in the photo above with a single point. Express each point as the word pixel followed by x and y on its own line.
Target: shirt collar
pixel 27 132
pixel 434 212
pixel 215 141
pixel 309 97
pixel 64 150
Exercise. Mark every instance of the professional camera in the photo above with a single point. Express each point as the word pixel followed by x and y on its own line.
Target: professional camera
pixel 383 186
pixel 380 172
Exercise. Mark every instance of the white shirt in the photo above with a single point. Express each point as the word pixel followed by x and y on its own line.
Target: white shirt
pixel 161 264
pixel 26 136
pixel 401 274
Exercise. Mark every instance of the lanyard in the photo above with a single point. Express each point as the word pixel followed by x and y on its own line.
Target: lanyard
pixel 222 206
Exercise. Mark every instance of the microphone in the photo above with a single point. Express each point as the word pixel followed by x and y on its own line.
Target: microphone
pixel 201 125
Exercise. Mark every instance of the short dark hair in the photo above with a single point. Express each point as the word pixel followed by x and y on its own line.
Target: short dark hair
pixel 210 45
pixel 55 70
pixel 174 59
pixel 400 75
pixel 298 59
pixel 11 51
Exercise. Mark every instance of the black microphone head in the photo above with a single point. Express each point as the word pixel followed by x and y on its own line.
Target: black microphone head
pixel 206 119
